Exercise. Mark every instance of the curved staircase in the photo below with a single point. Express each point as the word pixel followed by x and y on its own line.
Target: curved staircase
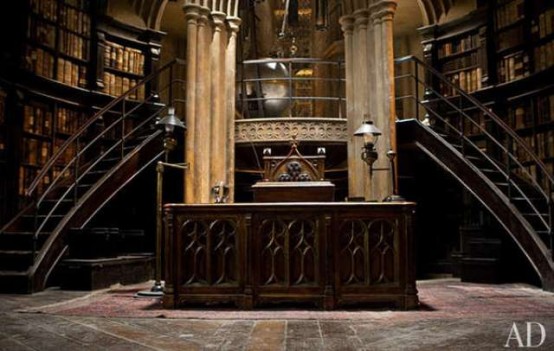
pixel 105 154
pixel 488 158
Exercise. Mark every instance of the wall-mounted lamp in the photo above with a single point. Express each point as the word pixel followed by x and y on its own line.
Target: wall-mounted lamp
pixel 371 134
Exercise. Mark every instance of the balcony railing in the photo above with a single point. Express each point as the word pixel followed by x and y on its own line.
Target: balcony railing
pixel 293 88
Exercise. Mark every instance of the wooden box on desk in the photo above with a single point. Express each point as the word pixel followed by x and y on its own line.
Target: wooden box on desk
pixel 313 191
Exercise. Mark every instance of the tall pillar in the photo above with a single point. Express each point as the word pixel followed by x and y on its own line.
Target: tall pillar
pixel 212 28
pixel 203 110
pixel 356 167
pixel 191 15
pixel 383 14
pixel 218 153
pixel 370 92
pixel 233 24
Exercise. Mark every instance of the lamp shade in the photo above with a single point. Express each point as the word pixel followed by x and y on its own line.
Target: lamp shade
pixel 369 131
pixel 171 121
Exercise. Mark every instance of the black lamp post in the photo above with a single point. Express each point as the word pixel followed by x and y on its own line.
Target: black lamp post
pixel 168 123
pixel 391 154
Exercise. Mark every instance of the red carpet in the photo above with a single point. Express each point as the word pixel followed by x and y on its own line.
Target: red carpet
pixel 439 298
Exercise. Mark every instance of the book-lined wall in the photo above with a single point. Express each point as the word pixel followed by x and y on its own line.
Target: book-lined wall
pixel 58 40
pixel 532 116
pixel 506 46
pixel 45 129
pixel 461 57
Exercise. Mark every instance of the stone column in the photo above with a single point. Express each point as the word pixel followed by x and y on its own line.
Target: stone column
pixel 203 101
pixel 218 149
pixel 233 24
pixel 383 13
pixel 191 15
pixel 355 164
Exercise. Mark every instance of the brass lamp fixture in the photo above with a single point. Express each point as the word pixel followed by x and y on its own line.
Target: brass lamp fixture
pixel 169 123
pixel 371 134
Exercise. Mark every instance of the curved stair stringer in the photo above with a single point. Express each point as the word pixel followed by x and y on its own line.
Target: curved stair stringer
pixel 487 193
pixel 88 206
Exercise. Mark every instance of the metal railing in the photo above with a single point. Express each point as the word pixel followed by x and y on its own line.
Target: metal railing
pixel 479 131
pixel 292 87
pixel 107 136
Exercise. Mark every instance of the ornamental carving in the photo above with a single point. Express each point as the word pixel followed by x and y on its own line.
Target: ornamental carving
pixel 286 129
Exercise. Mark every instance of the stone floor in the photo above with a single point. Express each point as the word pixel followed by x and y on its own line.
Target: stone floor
pixel 453 316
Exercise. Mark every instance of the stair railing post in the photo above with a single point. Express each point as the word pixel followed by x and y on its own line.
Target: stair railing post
pixel 76 171
pixel 509 165
pixel 461 124
pixel 122 141
pixel 290 89
pixel 170 100
pixel 416 97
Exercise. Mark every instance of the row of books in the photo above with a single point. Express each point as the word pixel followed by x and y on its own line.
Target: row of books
pixel 41 32
pixel 124 58
pixel 510 13
pixel 545 109
pixel 468 80
pixel 544 56
pixel 68 154
pixel 545 144
pixel 46 8
pixel 68 120
pixel 458 45
pixel 71 73
pixel 513 67
pixel 39 61
pixel 461 62
pixel 37 120
pixel 521 116
pixel 73 45
pixel 35 151
pixel 116 85
pixel 544 26
pixel 75 20
pixel 26 177
pixel 474 124
pixel 520 152
pixel 510 38
pixel 530 172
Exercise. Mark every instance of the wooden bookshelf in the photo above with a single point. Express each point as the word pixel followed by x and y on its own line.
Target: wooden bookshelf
pixel 460 52
pixel 46 126
pixel 124 67
pixel 58 40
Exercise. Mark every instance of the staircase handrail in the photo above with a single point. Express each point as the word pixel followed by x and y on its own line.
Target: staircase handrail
pixel 29 192
pixel 498 120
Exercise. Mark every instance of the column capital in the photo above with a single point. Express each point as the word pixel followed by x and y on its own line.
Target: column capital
pixel 218 19
pixel 383 10
pixel 203 16
pixel 361 17
pixel 347 24
pixel 233 23
pixel 192 11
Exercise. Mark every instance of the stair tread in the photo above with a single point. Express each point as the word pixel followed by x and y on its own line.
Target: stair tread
pixel 12 272
pixel 16 252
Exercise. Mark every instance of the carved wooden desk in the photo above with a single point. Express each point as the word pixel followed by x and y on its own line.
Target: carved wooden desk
pixel 330 254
